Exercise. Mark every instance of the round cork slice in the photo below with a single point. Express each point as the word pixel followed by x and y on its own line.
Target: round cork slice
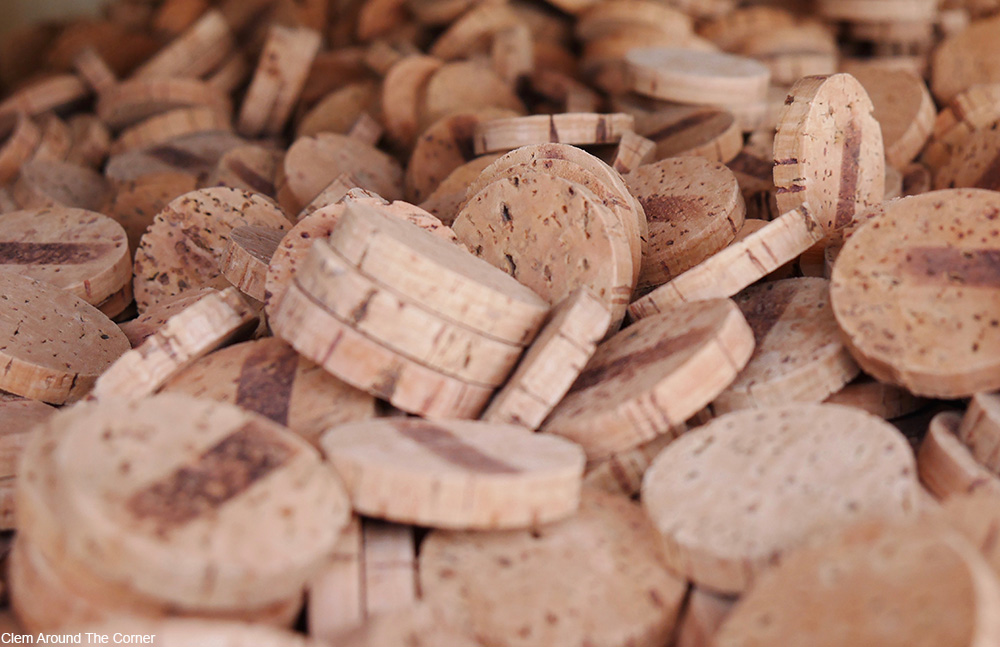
pixel 90 141
pixel 552 363
pixel 799 355
pixel 694 209
pixel 438 275
pixel 195 155
pixel 169 125
pixel 196 52
pixel 726 514
pixel 466 85
pixel 972 163
pixel 52 93
pixel 605 19
pixel 654 375
pixel 160 512
pixel 695 77
pixel 905 584
pixel 633 151
pixel 946 465
pixel 402 96
pixel 133 101
pixel 597 578
pixel 415 625
pixel 247 255
pixel 453 474
pixel 397 323
pixel 980 430
pixel 56 139
pixel 60 184
pixel 576 128
pixel 447 199
pixel 738 266
pixel 156 316
pixel 915 293
pixel 57 344
pixel 975 109
pixel 250 168
pixel 477 26
pixel 136 202
pixel 828 151
pixel 866 11
pixel 752 226
pixel 903 107
pixel 182 248
pixel 280 77
pixel 965 59
pixel 692 130
pixel 886 401
pixel 18 417
pixel 20 138
pixel 268 377
pixel 79 251
pixel 552 235
pixel 338 111
pixel 367 365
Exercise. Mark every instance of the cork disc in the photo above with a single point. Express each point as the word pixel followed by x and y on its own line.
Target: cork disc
pixel 21 137
pixel 182 248
pixel 829 466
pixel 411 626
pixel 877 398
pixel 195 155
pixel 247 255
pixel 904 109
pixel 335 600
pixel 971 163
pixel 80 251
pixel 130 102
pixel 946 465
pixel 622 472
pixel 57 344
pixel 18 417
pixel 913 293
pixel 576 128
pixel 799 356
pixel 389 564
pixel 466 85
pixel 910 584
pixel 197 51
pixel 51 93
pixel 651 377
pixel 170 125
pixel 402 95
pixel 980 430
pixel 268 377
pixel 696 77
pixel 60 184
pixel 250 168
pixel 157 315
pixel 694 209
pixel 596 578
pixel 339 110
pixel 160 512
pixel 447 199
pixel 826 135
pixel 965 59
pixel 691 130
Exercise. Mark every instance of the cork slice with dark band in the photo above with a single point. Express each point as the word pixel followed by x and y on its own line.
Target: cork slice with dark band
pixel 576 128
pixel 248 253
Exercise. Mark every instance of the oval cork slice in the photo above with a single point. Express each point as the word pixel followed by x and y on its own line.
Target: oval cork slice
pixel 156 316
pixel 402 95
pixel 726 514
pixel 466 85
pixel 576 128
pixel 130 102
pixel 438 275
pixel 828 151
pixel 51 93
pixel 250 168
pixel 651 377
pixel 552 235
pixel 597 578
pixel 799 355
pixel 21 137
pixel 57 344
pixel 980 430
pixel 268 377
pixel 905 584
pixel 947 467
pixel 914 292
pixel 247 255
pixel 904 109
pixel 194 155
pixel 452 474
pixel 18 418
pixel 965 59
pixel 692 130
pixel 696 77
pixel 169 125
pixel 694 209
pixel 886 401
pixel 49 183
pixel 335 600
pixel 182 248
pixel 167 514
pixel 447 199
pixel 79 251
pixel 196 52
pixel 552 363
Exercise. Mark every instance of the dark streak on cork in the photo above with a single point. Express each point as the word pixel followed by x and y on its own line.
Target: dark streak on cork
pixel 970 267
pixel 176 157
pixel 266 382
pixel 451 448
pixel 751 165
pixel 601 132
pixel 12 253
pixel 694 120
pixel 764 310
pixel 667 208
pixel 463 128
pixel 849 170
pixel 252 178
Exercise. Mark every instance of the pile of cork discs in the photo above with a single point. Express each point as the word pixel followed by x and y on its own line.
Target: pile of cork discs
pixel 561 323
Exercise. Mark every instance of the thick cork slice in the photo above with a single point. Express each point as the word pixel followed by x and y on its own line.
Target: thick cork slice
pixel 886 401
pixel 397 323
pixel 975 516
pixel 90 141
pixel 793 52
pixel 196 155
pixel 694 209
pixel 403 94
pixel 280 77
pixel 913 292
pixel 596 578
pixel 694 77
pixel 691 130
pixel 131 102
pixel 651 377
pixel 826 135
pixel 182 248
pixel 799 355
pixel 249 168
pixel 576 128
pixel 947 467
pixel 79 251
pixel 975 109
pixel 369 366
pixel 57 344
pixel 136 202
pixel 60 184
pixel 438 275
pixel 247 255
pixel 606 19
pixel 703 614
pixel 827 466
pixel 904 109
pixel 170 125
pixel 196 52
pixel 555 359
pixel 971 163
pixel 18 417
pixel 155 317
pixel 21 137
pixel 633 151
pixel 338 111
pixel 737 266
pixel 456 474
pixel 902 584
pixel 335 599
pixel 865 11
pixel 414 625
pixel 466 85
pixel 472 31
pixel 980 430
pixel 213 321
pixel 965 59
pixel 268 377
pixel 447 199
pixel 52 93
pixel 158 513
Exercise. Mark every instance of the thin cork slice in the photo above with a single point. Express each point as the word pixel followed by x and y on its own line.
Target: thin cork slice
pixel 335 600
pixel 651 377
pixel 21 137
pixel 693 77
pixel 799 355
pixel 196 155
pixel 279 80
pixel 826 135
pixel 199 50
pixel 980 430
pixel 60 184
pixel 596 578
pixel 136 202
pixel 552 235
pixel 90 141
pixel 466 85
pixel 18 417
pixel 886 401
pixel 438 275
pixel 56 139
pixel 57 344
pixel 395 322
pixel 694 208
pixel 447 199
pixel 977 108
pixel 118 306
pixel 703 614
pixel 912 292
pixel 169 125
pixel 972 163
pixel 555 359
pixel 182 248
pixel 205 325
pixel 156 316
pixel 148 525
pixel 965 59
pixel 337 111
pixel 633 151
pixel 690 130
pixel 473 30
pixel 576 128
pixel 247 255
pixel 369 366
pixel 80 251
pixel 904 108
pixel 268 377
pixel 738 266
pixel 402 96
pixel 389 566
pixel 830 466
pixel 250 168
pixel 136 100
pixel 456 474
pixel 947 467
pixel 52 93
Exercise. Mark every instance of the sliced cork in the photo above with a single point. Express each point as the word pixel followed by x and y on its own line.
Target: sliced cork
pixel 402 96
pixel 18 417
pixel 156 316
pixel 690 130
pixel 248 253
pixel 199 50
pixel 21 137
pixel 694 77
pixel 335 601
pixel 136 203
pixel 469 31
pixel 886 401
pixel 447 199
pixel 971 163
pixel 166 126
pixel 703 614
pixel 51 93
pixel 47 183
pixel 466 85
pixel 195 155
pixel 980 430
pixel 389 566
pixel 904 109
pixel 633 151
pixel 249 168
pixel 338 111
pixel 965 59
pixel 576 128
pixel 136 100
pixel 947 467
